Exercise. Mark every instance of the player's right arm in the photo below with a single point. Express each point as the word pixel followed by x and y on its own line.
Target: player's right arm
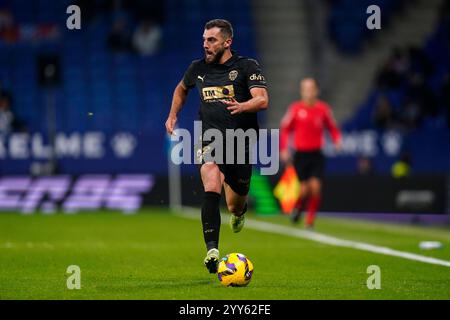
pixel 179 98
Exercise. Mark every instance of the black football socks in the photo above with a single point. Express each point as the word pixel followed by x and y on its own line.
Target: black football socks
pixel 211 219
pixel 243 210
pixel 298 210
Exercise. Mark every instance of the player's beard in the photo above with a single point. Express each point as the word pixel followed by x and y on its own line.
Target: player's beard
pixel 216 56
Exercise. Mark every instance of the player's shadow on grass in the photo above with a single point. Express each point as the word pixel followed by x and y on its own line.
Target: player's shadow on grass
pixel 173 283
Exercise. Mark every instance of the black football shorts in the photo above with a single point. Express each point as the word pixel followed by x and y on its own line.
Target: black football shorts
pixel 309 164
pixel 237 175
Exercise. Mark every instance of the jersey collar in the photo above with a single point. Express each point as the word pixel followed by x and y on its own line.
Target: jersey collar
pixel 232 59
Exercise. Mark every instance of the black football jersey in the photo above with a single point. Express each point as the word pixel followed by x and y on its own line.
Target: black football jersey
pixel 217 82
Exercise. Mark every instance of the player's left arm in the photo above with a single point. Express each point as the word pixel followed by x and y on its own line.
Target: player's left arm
pixel 333 128
pixel 256 83
pixel 258 102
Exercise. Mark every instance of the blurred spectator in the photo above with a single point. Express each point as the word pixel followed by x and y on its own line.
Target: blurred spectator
pixel 9 31
pixel 421 94
pixel 419 62
pixel 6 18
pixel 399 61
pixel 393 72
pixel 364 166
pixel 118 38
pixel 6 115
pixel 402 167
pixel 8 121
pixel 384 115
pixel 410 114
pixel 146 38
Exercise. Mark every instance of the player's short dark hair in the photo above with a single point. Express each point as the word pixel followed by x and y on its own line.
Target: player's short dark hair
pixel 225 27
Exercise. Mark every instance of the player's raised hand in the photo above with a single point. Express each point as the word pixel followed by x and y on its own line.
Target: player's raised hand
pixel 234 106
pixel 170 124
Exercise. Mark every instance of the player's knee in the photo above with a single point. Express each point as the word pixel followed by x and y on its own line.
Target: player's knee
pixel 315 188
pixel 211 178
pixel 212 186
pixel 304 190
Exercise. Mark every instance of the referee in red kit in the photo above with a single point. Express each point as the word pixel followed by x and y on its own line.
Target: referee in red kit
pixel 306 120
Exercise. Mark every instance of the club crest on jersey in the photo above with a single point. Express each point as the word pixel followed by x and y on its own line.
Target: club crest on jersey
pixel 233 75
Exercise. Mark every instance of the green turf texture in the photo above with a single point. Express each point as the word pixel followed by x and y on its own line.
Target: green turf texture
pixel 158 255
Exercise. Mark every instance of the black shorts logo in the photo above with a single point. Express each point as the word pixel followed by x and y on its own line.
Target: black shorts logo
pixel 244 181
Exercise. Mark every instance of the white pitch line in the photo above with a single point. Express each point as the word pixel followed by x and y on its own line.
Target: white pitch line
pixel 325 239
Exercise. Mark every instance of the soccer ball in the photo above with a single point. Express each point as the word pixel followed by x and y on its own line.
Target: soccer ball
pixel 235 270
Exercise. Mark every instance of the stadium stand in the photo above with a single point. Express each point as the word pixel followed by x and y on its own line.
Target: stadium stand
pixel 108 91
pixel 123 90
pixel 102 90
pixel 410 96
pixel 347 26
pixel 412 74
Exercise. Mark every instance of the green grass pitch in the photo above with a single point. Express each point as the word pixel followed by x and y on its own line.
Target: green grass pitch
pixel 158 255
